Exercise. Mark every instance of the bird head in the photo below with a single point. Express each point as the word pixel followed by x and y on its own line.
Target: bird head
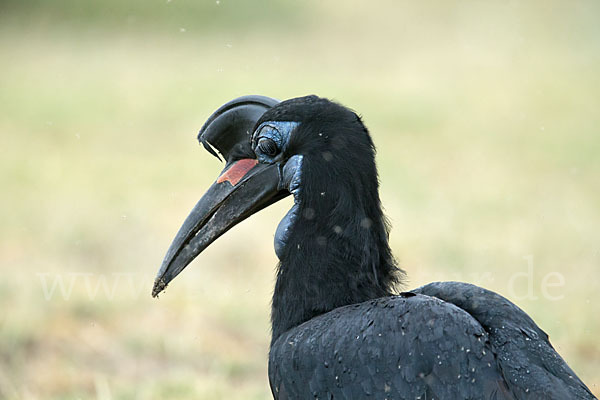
pixel 310 147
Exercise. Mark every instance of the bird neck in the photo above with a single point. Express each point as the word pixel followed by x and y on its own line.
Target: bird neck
pixel 336 252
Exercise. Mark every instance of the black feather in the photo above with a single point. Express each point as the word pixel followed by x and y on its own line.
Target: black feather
pixel 339 332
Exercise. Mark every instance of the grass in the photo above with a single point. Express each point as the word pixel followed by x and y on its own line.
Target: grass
pixel 485 116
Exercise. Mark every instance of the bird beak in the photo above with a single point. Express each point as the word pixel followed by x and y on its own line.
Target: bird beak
pixel 243 188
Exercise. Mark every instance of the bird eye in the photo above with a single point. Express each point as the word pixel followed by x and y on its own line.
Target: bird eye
pixel 267 146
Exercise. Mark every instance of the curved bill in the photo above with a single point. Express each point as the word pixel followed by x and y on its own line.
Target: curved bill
pixel 243 188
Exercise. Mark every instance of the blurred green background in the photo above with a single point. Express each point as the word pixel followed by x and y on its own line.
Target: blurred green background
pixel 486 116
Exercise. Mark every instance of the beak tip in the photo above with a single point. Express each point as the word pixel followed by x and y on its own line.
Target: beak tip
pixel 159 285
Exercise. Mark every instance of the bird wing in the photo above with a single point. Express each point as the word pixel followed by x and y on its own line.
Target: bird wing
pixel 445 340
pixel 401 347
pixel 524 355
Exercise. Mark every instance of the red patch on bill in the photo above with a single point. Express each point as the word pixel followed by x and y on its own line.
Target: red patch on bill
pixel 237 171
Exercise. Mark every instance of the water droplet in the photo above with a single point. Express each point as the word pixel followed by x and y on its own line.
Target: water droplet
pixel 308 213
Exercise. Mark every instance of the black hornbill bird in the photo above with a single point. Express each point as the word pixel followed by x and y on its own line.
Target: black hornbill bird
pixel 338 329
